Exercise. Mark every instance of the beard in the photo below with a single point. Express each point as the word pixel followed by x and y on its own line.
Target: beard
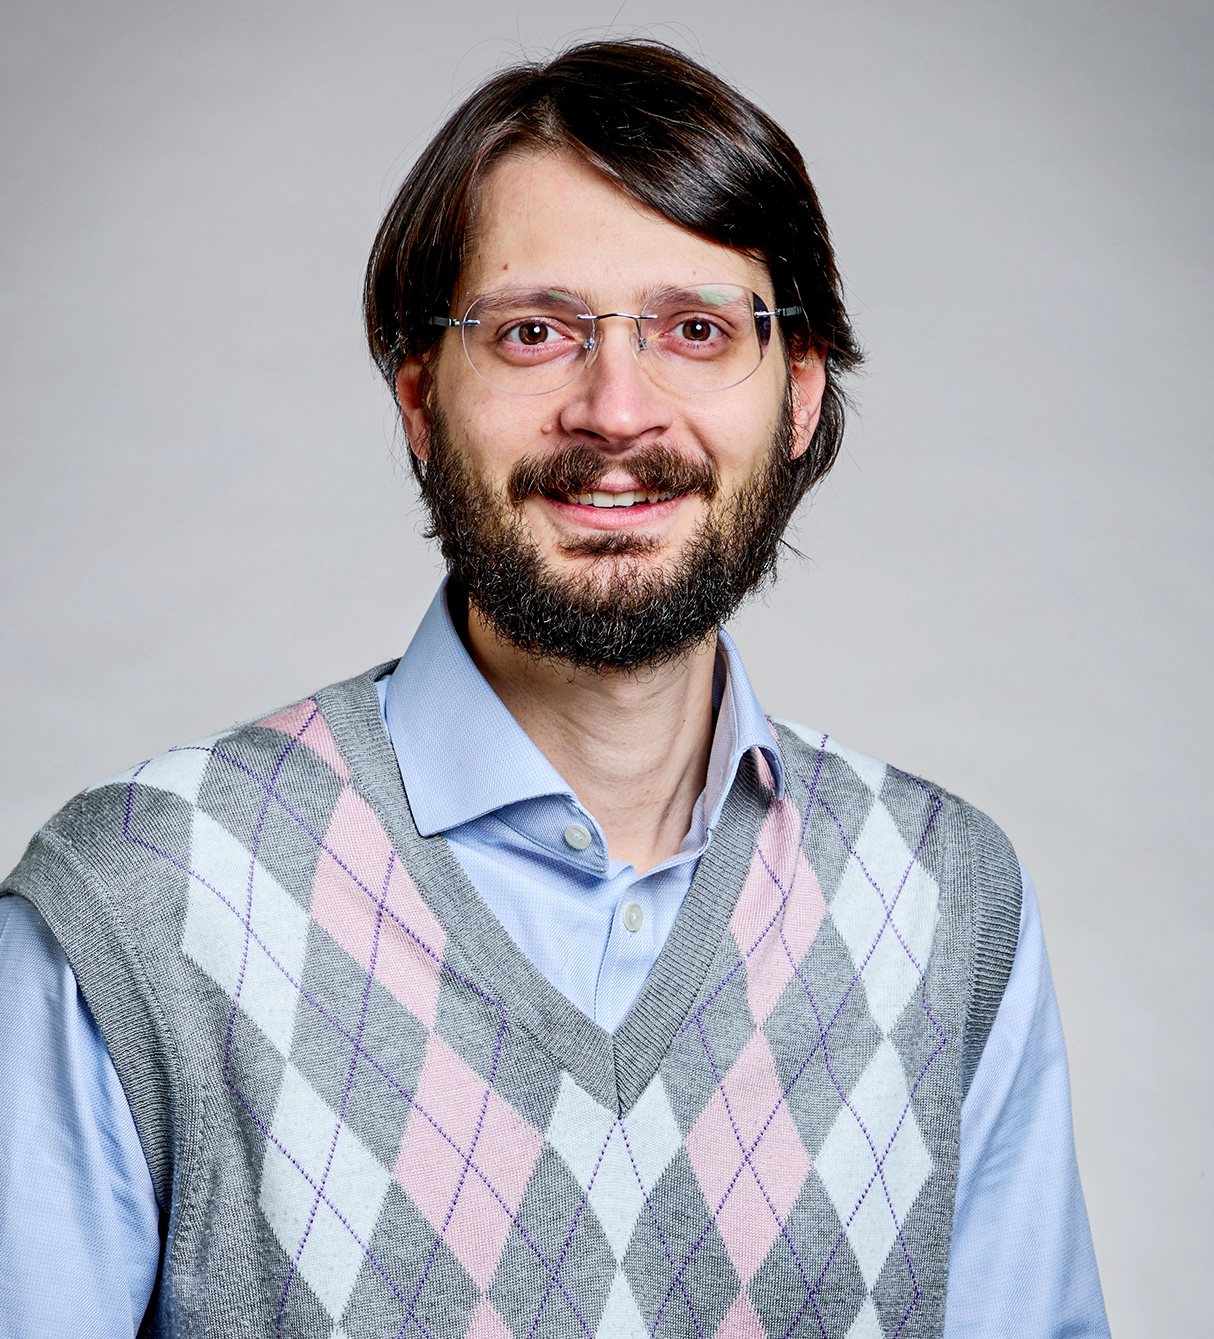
pixel 623 612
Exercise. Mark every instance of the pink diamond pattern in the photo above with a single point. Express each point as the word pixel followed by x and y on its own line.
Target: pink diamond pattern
pixel 748 1157
pixel 304 722
pixel 779 911
pixel 407 942
pixel 486 1323
pixel 466 1158
pixel 741 1321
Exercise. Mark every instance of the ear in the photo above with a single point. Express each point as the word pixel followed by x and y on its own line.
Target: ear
pixel 412 411
pixel 808 384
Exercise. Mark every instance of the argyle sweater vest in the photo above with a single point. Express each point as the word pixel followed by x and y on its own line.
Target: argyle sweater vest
pixel 366 1114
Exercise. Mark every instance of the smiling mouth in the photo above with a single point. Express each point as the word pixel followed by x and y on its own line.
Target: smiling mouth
pixel 634 499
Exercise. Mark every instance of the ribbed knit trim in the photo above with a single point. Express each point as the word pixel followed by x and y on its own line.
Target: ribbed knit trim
pixel 614 1070
pixel 114 983
pixel 999 893
pixel 650 1026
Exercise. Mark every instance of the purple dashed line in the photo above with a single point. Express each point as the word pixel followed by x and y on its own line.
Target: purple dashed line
pixel 364 1054
pixel 657 1223
pixel 386 1076
pixel 341 1218
pixel 823 1034
pixel 879 1160
pixel 359 1050
pixel 244 962
pixel 747 1154
pixel 678 1278
pixel 445 966
pixel 811 788
pixel 746 1161
pixel 463 1176
pixel 725 980
pixel 341 864
pixel 887 907
pixel 301 822
pixel 697 1019
pixel 812 1291
pixel 345 1097
pixel 248 923
pixel 555 1280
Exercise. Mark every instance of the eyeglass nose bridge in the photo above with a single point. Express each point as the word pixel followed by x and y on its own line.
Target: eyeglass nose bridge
pixel 591 344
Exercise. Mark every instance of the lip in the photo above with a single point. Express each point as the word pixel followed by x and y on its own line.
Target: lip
pixel 637 517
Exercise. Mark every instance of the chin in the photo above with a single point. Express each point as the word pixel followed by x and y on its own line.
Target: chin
pixel 603 570
pixel 613 552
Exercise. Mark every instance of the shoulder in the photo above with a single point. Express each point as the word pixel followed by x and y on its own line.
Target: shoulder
pixel 816 755
pixel 145 815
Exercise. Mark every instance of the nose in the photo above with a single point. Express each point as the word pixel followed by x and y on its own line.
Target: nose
pixel 614 403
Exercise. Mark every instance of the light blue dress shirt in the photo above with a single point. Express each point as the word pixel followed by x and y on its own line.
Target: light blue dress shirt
pixel 79 1237
pixel 505 812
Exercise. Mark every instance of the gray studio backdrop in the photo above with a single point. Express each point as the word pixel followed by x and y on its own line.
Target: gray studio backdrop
pixel 1007 585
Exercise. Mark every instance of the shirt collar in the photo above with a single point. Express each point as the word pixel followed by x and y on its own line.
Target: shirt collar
pixel 463 755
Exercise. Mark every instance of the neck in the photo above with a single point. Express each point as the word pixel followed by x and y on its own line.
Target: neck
pixel 633 747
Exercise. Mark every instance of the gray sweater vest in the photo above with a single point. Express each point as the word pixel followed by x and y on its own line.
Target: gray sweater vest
pixel 366 1114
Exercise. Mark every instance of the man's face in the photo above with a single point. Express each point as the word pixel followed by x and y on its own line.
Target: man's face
pixel 548 221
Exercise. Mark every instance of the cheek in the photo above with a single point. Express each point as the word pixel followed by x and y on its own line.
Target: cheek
pixel 742 440
pixel 491 429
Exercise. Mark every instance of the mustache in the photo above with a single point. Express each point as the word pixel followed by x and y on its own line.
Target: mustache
pixel 578 468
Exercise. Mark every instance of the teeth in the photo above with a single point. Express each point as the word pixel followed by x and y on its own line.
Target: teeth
pixel 618 499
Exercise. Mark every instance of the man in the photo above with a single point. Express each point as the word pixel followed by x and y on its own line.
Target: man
pixel 537 984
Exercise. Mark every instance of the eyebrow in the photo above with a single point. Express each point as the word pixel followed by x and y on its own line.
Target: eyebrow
pixel 530 297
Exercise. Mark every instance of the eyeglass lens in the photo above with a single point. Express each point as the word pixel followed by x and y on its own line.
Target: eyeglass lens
pixel 706 338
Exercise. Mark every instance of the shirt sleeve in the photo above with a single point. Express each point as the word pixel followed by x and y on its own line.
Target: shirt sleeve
pixel 79 1224
pixel 1022 1264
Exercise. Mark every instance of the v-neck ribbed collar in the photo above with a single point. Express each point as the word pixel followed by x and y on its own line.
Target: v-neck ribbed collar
pixel 613 1068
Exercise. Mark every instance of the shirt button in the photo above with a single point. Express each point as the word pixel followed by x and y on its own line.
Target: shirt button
pixel 634 917
pixel 577 836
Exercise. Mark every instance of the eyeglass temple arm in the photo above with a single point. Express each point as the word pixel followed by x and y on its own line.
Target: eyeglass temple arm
pixel 642 316
pixel 448 321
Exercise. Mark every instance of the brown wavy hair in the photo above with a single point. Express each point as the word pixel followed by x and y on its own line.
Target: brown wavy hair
pixel 667 132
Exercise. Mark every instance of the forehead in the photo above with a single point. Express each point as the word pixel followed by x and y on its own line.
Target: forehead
pixel 548 219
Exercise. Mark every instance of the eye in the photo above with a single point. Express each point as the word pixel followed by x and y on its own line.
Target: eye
pixel 530 333
pixel 697 330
